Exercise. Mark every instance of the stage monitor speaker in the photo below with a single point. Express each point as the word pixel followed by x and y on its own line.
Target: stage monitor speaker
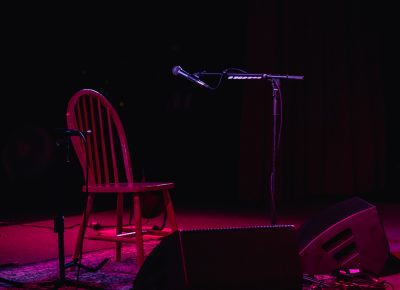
pixel 347 235
pixel 264 257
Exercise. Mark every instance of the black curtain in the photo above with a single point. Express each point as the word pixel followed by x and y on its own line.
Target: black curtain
pixel 334 139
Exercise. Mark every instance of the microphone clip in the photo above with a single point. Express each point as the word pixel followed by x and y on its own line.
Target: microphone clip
pixel 65 132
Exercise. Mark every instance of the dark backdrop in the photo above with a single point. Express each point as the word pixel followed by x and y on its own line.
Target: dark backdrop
pixel 339 130
pixel 339 124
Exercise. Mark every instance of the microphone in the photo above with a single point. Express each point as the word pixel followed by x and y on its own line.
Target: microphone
pixel 177 70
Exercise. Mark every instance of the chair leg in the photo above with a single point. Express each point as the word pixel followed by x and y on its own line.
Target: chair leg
pixel 138 230
pixel 170 210
pixel 82 228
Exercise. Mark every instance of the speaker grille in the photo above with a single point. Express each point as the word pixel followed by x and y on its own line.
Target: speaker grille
pixel 348 234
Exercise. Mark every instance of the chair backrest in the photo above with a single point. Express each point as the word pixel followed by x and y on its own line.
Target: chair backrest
pixel 107 149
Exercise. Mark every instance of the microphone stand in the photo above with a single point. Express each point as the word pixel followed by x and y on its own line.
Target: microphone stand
pixel 275 81
pixel 59 229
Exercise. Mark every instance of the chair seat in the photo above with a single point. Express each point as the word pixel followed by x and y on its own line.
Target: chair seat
pixel 130 187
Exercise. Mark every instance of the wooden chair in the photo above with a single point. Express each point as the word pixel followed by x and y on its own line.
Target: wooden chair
pixel 104 156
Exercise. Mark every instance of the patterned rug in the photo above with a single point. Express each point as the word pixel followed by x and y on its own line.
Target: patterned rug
pixel 111 275
pixel 46 274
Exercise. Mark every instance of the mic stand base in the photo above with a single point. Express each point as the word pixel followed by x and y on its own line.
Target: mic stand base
pixel 62 280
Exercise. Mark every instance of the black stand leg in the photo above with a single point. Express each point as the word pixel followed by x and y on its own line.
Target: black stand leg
pixel 59 228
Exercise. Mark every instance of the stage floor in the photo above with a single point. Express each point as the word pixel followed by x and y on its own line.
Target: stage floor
pixel 34 240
